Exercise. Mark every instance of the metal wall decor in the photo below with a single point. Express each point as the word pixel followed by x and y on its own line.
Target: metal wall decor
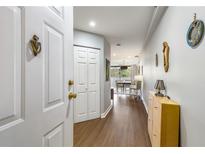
pixel 166 56
pixel 156 60
pixel 35 45
pixel 195 32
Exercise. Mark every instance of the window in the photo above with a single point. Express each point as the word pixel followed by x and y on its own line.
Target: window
pixel 125 73
pixel 120 72
pixel 115 72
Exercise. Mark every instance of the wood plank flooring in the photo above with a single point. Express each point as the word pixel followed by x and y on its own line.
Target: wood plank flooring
pixel 124 126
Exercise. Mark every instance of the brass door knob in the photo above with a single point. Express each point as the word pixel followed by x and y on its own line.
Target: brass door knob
pixel 72 95
pixel 70 82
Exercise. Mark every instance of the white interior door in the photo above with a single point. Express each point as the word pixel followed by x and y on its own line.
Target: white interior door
pixel 87 87
pixel 34 108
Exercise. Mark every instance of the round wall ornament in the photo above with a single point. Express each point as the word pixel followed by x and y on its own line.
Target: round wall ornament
pixel 195 33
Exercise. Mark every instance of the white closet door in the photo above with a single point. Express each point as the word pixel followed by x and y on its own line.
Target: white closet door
pixel 86 75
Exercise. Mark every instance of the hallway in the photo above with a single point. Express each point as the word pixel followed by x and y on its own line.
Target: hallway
pixel 125 125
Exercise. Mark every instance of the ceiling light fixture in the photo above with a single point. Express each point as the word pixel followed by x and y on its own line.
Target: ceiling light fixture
pixel 92 24
pixel 118 44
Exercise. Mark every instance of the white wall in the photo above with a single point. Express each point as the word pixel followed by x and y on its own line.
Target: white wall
pixel 97 41
pixel 185 80
pixel 107 84
pixel 88 39
pixel 125 61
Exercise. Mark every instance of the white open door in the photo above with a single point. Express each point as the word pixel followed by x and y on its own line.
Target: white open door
pixel 34 108
pixel 87 87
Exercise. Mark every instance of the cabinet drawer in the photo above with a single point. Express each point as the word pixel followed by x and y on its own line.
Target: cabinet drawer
pixel 157 119
pixel 155 140
pixel 155 103
pixel 150 128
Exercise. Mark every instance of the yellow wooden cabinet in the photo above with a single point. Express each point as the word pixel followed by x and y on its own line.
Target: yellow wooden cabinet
pixel 163 121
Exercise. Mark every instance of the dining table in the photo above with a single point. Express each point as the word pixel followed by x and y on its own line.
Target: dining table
pixel 125 83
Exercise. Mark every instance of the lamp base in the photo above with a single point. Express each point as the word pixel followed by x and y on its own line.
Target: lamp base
pixel 159 94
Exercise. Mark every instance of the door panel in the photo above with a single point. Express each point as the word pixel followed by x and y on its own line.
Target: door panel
pixel 55 137
pixel 59 11
pixel 92 103
pixel 12 80
pixel 80 67
pixel 92 73
pixel 86 70
pixel 10 65
pixel 93 84
pixel 54 66
pixel 82 73
pixel 81 107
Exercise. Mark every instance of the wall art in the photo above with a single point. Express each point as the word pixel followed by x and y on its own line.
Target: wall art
pixel 107 77
pixel 166 56
pixel 156 60
pixel 195 32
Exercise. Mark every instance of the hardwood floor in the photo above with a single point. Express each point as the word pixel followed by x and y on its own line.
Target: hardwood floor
pixel 125 125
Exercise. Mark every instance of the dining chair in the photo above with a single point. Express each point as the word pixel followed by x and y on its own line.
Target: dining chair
pixel 137 88
pixel 127 86
pixel 119 85
pixel 133 86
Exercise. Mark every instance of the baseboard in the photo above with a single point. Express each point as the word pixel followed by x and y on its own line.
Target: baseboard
pixel 103 115
pixel 145 104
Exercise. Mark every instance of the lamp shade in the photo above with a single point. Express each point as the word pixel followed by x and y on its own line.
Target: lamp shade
pixel 138 77
pixel 159 85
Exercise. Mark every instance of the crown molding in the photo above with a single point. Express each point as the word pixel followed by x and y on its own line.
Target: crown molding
pixel 156 18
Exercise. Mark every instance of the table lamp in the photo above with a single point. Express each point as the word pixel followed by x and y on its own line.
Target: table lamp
pixel 138 77
pixel 159 85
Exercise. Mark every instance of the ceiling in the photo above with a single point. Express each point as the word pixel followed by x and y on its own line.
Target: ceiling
pixel 127 26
